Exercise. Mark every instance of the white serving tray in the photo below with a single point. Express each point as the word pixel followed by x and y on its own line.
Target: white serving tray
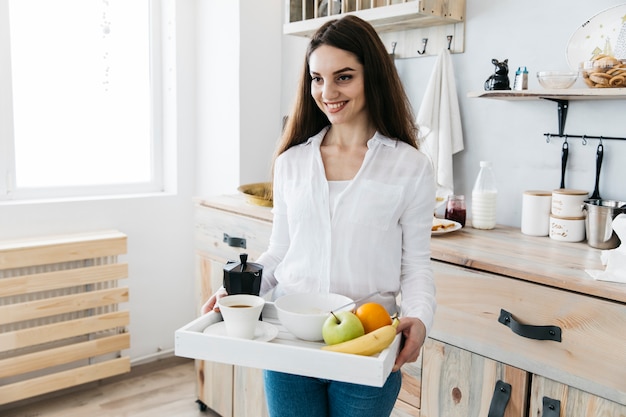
pixel 285 353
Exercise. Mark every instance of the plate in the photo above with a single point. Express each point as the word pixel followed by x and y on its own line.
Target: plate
pixel 603 33
pixel 452 226
pixel 264 332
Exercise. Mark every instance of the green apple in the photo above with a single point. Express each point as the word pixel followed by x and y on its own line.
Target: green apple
pixel 341 327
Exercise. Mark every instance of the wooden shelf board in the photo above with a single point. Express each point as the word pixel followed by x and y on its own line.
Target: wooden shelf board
pixel 563 94
pixel 388 18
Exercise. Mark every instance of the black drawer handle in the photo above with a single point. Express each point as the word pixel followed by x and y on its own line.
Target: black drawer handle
pixel 236 242
pixel 531 332
pixel 501 396
pixel 551 407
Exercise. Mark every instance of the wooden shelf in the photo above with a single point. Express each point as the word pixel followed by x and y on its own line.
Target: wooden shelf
pixel 403 25
pixel 393 17
pixel 561 97
pixel 563 94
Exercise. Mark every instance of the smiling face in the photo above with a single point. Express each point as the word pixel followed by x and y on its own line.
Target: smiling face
pixel 337 85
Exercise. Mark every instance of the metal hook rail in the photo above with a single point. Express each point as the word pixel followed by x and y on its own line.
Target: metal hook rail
pixel 562 107
pixel 584 138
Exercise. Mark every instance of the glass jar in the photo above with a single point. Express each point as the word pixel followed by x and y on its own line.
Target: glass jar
pixel 455 209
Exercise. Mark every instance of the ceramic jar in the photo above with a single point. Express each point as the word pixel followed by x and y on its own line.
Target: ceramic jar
pixel 568 203
pixel 567 229
pixel 536 206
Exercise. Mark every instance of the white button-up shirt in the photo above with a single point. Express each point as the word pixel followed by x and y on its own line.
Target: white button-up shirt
pixel 377 238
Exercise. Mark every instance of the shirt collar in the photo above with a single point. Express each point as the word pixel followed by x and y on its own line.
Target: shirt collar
pixel 377 138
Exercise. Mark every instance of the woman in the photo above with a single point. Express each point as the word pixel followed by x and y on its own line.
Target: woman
pixel 353 207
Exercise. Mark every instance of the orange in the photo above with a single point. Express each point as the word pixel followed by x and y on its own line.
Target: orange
pixel 372 316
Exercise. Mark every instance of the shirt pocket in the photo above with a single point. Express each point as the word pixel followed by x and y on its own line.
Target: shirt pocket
pixel 298 200
pixel 376 204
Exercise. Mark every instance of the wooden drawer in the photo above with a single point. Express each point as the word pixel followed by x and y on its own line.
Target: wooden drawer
pixel 573 402
pixel 213 224
pixel 590 357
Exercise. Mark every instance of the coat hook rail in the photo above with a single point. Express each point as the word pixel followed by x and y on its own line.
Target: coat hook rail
pixel 583 137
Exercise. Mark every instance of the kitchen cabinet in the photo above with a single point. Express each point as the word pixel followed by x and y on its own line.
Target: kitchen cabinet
pixel 472 351
pixel 405 23
pixel 540 282
pixel 457 382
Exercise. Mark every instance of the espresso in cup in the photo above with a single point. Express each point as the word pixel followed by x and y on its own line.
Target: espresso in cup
pixel 241 314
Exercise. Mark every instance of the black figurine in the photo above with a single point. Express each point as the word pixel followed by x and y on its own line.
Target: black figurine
pixel 500 79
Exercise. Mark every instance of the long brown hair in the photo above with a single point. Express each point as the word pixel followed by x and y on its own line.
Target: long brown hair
pixel 387 103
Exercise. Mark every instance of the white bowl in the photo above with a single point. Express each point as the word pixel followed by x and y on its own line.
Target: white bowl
pixel 304 314
pixel 557 79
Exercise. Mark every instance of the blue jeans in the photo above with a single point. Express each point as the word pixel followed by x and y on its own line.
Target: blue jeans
pixel 300 396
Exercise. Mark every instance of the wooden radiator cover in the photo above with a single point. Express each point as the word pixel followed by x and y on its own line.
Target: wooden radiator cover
pixel 60 325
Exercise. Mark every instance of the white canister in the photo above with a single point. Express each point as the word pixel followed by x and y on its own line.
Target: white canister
pixel 536 206
pixel 567 229
pixel 568 203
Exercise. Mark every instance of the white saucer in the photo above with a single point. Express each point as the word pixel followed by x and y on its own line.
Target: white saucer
pixel 264 332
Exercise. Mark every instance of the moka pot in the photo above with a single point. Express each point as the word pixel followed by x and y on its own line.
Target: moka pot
pixel 242 277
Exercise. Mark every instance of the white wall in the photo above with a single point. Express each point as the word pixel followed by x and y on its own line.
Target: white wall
pixel 533 34
pixel 159 228
pixel 239 85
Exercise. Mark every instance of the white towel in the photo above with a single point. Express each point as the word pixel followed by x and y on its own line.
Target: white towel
pixel 614 259
pixel 439 121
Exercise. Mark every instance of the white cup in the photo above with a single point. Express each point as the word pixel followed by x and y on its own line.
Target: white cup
pixel 241 314
pixel 567 229
pixel 536 206
pixel 568 202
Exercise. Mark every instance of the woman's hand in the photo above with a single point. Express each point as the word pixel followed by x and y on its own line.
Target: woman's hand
pixel 414 333
pixel 211 303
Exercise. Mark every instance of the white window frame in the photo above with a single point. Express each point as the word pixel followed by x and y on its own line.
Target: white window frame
pixel 163 111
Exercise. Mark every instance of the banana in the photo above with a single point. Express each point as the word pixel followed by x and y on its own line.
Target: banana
pixel 368 344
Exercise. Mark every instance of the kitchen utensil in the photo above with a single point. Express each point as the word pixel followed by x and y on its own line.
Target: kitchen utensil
pixel 355 302
pixel 599 157
pixel 564 155
pixel 259 194
pixel 599 220
pixel 242 277
pixel 241 313
pixel 557 79
pixel 304 314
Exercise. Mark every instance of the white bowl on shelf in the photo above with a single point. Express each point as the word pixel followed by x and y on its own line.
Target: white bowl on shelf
pixel 557 79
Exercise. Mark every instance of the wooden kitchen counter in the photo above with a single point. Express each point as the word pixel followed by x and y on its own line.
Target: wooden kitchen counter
pixel 506 251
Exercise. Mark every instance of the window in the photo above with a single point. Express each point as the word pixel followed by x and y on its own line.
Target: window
pixel 81 117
